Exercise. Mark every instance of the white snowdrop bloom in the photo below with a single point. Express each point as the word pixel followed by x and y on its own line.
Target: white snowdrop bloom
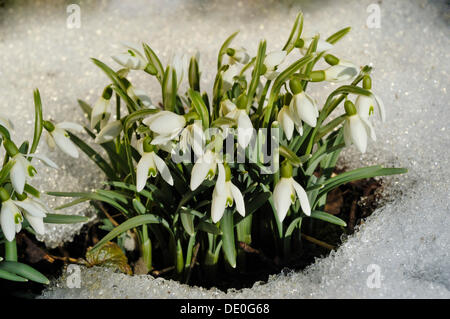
pixel 365 106
pixel 34 212
pixel 304 108
pixel 343 71
pixel 165 123
pixel 357 129
pixel 239 55
pixel 225 194
pixel 286 121
pixel 193 136
pixel 286 191
pixel 204 167
pixel 132 59
pixel 149 165
pixel 101 112
pixel 10 219
pixel 226 106
pixel 109 132
pixel 322 45
pixel 145 100
pixel 21 170
pixel 228 76
pixel 58 136
pixel 244 124
pixel 271 62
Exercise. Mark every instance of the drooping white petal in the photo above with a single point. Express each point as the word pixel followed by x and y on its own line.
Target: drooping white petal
pixel 165 123
pixel 303 108
pixel 358 133
pixel 145 163
pixel 369 128
pixel 50 141
pixel 18 173
pixel 273 59
pixel 144 98
pixel 302 197
pixel 36 222
pixel 162 169
pixel 226 106
pixel 6 123
pixel 165 138
pixel 220 183
pixel 109 132
pixel 64 143
pixel 218 204
pixel 286 121
pixel 322 45
pixel 238 199
pixel 100 112
pixel 129 61
pixel 245 129
pixel 282 197
pixel 47 161
pixel 31 208
pixel 201 168
pixel 344 71
pixel 7 215
pixel 381 109
pixel 229 74
pixel 70 126
pixel 347 136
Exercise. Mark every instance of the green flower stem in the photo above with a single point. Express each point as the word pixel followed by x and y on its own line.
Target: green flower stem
pixel 146 248
pixel 11 250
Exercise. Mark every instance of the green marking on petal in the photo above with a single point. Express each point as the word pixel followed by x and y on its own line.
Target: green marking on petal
pixel 18 218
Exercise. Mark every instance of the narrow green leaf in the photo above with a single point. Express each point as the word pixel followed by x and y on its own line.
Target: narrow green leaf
pixel 338 35
pixel 37 121
pixel 224 48
pixel 295 34
pixel 200 107
pixel 328 218
pixel 10 276
pixel 64 219
pixel 24 270
pixel 154 60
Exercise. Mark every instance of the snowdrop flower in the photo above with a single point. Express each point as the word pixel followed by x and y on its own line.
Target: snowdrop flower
pixel 204 168
pixel 149 165
pixel 22 168
pixel 225 194
pixel 322 45
pixel 167 125
pixel 244 124
pixel 286 192
pixel 357 128
pixel 239 55
pixel 101 111
pixel 193 136
pixel 271 63
pixel 10 216
pixel 58 136
pixel 109 132
pixel 143 99
pixel 132 59
pixel 34 212
pixel 302 107
pixel 365 104
pixel 286 121
pixel 343 71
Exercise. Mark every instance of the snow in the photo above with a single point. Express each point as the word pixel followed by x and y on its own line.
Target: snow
pixel 406 240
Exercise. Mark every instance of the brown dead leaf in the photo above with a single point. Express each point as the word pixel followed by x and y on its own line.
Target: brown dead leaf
pixel 109 255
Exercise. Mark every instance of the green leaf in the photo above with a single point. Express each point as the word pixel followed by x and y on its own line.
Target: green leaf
pixel 295 33
pixel 129 224
pixel 130 119
pixel 4 173
pixel 209 228
pixel 138 206
pixel 328 218
pixel 72 203
pixel 200 107
pixel 24 270
pixel 10 276
pixel 256 73
pixel 224 48
pixel 357 174
pixel 87 109
pixel 229 247
pixel 154 60
pixel 291 156
pixel 338 35
pixel 187 220
pixel 223 121
pixel 37 121
pixel 64 219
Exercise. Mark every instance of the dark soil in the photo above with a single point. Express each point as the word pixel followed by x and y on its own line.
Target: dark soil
pixel 352 202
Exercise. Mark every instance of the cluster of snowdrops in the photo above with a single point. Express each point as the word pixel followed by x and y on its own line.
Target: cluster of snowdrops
pixel 171 167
